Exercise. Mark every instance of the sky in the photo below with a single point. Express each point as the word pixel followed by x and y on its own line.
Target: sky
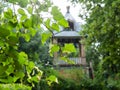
pixel 74 10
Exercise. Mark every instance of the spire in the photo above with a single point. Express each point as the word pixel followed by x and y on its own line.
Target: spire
pixel 68 9
pixel 68 16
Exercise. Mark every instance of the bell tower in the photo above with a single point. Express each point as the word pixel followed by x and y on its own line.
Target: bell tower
pixel 70 34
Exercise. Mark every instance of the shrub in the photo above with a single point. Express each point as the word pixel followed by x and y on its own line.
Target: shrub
pixel 75 79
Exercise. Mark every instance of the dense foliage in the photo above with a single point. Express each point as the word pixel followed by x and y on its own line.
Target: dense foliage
pixel 102 27
pixel 36 51
pixel 15 66
pixel 103 44
pixel 75 79
pixel 21 48
pixel 19 22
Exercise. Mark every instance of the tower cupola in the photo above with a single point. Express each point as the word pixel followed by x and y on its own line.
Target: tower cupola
pixel 70 19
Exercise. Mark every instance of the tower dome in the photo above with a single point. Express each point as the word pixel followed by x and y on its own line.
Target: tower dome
pixel 68 16
pixel 70 19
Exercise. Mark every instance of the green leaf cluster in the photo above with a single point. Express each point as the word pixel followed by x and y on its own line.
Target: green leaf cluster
pixel 22 3
pixel 14 87
pixel 23 23
pixel 53 48
pixel 67 60
pixel 15 65
pixel 69 48
pixel 45 36
pixel 57 15
pixel 51 79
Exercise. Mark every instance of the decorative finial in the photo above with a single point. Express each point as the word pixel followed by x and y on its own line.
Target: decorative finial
pixel 68 9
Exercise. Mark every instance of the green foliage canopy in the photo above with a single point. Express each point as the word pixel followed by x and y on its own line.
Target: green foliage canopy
pixel 23 23
pixel 102 27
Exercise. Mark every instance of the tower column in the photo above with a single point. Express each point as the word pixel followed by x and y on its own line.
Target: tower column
pixel 55 53
pixel 83 58
pixel 82 53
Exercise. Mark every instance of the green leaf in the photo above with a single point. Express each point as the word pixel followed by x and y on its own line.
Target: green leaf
pixel 35 78
pixel 8 61
pixel 23 58
pixel 4 32
pixel 23 3
pixel 19 74
pixel 69 48
pixel 30 67
pixel 63 23
pixel 57 15
pixel 35 19
pixel 53 48
pixel 47 23
pixel 23 17
pixel 14 79
pixel 30 10
pixel 13 22
pixel 27 37
pixel 11 79
pixel 67 60
pixel 9 70
pixel 32 31
pixel 12 52
pixel 12 40
pixel 51 79
pixel 45 37
pixel 27 23
pixel 55 27
pixel 12 1
pixel 1 43
pixel 2 71
pixel 21 11
pixel 8 14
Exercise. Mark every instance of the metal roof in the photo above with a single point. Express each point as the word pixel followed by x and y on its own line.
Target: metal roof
pixel 67 34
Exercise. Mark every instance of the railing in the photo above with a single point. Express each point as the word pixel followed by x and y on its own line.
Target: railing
pixel 75 60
